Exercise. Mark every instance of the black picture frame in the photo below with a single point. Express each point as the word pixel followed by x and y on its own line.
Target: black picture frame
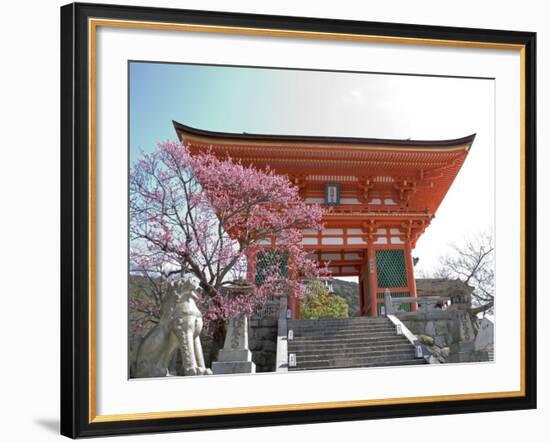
pixel 77 251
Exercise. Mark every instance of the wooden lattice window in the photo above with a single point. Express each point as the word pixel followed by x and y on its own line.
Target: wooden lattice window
pixel 390 268
pixel 269 262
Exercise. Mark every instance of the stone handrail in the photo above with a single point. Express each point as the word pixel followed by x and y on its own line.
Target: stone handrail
pixel 411 337
pixel 281 359
pixel 389 301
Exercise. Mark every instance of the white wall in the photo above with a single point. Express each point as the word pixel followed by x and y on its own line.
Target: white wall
pixel 29 170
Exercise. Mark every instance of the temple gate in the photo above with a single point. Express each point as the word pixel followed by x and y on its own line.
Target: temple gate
pixel 382 194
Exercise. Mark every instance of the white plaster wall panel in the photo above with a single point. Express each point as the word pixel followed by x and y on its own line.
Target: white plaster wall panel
pixel 332 241
pixel 309 241
pixel 333 231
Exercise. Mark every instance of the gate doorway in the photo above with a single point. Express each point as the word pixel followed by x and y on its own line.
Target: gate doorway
pixel 348 288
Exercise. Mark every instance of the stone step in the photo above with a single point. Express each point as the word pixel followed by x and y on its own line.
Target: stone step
pixel 379 361
pixel 348 343
pixel 342 331
pixel 331 328
pixel 347 348
pixel 376 364
pixel 318 324
pixel 394 355
pixel 329 322
pixel 345 336
pixel 350 351
pixel 339 343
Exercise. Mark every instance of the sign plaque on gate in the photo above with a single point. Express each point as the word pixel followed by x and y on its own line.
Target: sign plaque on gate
pixel 332 194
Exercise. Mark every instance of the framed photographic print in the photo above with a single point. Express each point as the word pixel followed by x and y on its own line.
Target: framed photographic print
pixel 256 206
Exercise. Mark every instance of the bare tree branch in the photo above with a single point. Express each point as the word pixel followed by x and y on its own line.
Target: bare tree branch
pixel 472 262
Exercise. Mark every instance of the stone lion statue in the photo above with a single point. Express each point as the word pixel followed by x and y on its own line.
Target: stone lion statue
pixel 179 327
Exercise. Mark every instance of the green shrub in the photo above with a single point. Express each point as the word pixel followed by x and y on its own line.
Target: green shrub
pixel 319 303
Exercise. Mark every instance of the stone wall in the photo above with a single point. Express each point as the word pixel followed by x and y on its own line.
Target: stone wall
pixel 452 331
pixel 262 341
pixel 440 330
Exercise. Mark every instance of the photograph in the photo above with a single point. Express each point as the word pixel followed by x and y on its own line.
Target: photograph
pixel 293 219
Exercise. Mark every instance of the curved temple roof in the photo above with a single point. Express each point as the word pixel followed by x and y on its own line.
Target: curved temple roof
pixel 182 130
pixel 418 172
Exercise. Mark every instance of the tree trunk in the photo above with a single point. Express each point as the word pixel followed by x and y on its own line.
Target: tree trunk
pixel 482 308
pixel 216 340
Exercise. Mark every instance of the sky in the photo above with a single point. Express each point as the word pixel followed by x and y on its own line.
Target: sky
pixel 298 102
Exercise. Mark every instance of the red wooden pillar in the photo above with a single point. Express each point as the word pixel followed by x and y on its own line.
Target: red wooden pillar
pixel 362 296
pixel 296 309
pixel 251 265
pixel 373 281
pixel 364 289
pixel 293 305
pixel 293 301
pixel 409 266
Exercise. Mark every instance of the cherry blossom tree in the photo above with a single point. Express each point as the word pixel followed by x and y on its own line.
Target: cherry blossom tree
pixel 147 288
pixel 202 215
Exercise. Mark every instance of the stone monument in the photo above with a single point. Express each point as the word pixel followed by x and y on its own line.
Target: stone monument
pixel 235 356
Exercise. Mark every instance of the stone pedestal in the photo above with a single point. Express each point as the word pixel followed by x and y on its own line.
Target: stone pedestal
pixel 235 357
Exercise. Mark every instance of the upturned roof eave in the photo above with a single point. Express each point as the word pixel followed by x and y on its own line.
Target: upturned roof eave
pixel 321 139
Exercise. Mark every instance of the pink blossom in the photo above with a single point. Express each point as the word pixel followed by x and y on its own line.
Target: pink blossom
pixel 204 215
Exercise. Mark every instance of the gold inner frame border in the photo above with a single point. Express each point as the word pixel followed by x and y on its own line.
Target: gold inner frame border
pixel 93 24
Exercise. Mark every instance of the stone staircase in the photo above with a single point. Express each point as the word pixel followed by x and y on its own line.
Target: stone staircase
pixel 347 343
